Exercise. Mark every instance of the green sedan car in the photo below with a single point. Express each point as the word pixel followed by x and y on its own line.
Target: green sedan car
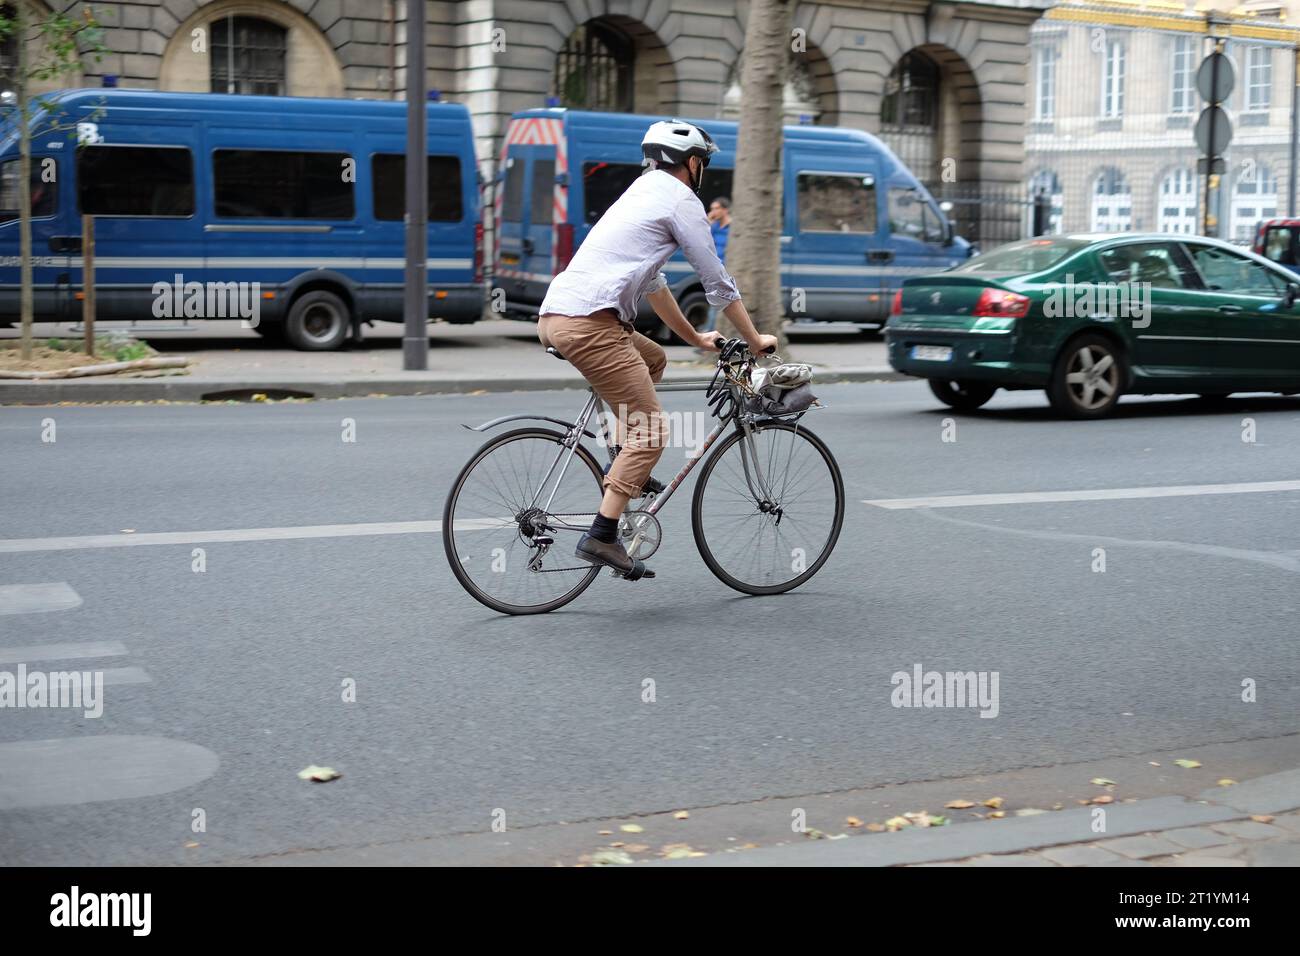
pixel 1090 318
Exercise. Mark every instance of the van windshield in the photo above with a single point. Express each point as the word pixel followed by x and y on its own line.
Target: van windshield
pixel 1023 257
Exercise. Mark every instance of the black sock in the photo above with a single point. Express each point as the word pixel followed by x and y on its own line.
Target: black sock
pixel 604 529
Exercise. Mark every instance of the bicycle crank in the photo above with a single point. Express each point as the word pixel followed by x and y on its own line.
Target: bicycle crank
pixel 641 533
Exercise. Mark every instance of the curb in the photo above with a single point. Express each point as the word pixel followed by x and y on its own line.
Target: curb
pixel 178 389
pixel 1271 794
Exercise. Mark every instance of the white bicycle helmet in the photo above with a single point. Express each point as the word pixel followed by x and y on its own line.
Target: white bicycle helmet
pixel 672 142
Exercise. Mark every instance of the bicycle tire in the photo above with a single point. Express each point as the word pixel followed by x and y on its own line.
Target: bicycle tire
pixel 697 509
pixel 449 518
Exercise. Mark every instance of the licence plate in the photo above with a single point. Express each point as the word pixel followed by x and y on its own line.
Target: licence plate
pixel 932 353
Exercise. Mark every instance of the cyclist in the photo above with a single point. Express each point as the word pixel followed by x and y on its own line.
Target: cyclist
pixel 590 308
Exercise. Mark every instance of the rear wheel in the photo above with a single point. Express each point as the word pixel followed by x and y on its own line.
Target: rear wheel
pixel 495 523
pixel 963 396
pixel 317 322
pixel 1088 378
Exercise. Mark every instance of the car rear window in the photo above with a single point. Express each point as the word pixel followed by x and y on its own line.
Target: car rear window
pixel 1023 257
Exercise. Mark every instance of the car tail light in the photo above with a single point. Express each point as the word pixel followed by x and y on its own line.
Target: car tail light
pixel 563 245
pixel 478 252
pixel 999 302
pixel 897 307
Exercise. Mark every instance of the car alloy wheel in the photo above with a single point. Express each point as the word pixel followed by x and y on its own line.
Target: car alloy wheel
pixel 1089 377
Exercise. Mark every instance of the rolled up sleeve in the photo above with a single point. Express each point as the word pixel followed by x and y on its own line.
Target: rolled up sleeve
pixel 655 283
pixel 690 228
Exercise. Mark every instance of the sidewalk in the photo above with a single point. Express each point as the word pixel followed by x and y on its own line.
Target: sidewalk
pixel 499 355
pixel 1252 823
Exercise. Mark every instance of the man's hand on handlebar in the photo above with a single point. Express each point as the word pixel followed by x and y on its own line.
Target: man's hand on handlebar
pixel 710 340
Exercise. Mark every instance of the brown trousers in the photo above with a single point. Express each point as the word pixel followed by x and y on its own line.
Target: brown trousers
pixel 622 366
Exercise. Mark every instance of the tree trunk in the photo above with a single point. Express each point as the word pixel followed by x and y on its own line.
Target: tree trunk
pixel 754 245
pixel 24 182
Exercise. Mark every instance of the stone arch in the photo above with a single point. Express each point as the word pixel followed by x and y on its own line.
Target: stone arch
pixel 651 76
pixel 311 66
pixel 811 92
pixel 931 113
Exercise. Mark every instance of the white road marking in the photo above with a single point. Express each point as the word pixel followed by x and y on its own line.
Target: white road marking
pixel 21 545
pixel 74 770
pixel 1095 494
pixel 126 675
pixel 32 598
pixel 61 652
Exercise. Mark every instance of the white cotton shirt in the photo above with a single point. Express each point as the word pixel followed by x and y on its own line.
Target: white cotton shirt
pixel 623 255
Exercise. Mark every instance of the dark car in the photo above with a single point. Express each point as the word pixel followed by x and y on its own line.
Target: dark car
pixel 1089 318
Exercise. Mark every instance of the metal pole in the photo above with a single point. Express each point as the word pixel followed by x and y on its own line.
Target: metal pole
pixel 1295 132
pixel 415 340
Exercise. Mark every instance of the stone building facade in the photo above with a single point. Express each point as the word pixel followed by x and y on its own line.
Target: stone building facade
pixel 937 80
pixel 1113 104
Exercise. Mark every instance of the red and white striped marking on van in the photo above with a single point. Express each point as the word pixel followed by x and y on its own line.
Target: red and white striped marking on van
pixel 537 131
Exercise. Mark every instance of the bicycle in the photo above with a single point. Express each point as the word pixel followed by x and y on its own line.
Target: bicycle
pixel 766 512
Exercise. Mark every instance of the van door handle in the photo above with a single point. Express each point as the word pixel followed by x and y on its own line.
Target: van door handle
pixel 65 244
pixel 1230 309
pixel 528 246
pixel 880 255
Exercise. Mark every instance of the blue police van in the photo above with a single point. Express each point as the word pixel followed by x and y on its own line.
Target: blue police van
pixel 856 222
pixel 216 206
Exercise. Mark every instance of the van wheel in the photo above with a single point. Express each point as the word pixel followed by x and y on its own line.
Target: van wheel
pixel 1088 377
pixel 318 322
pixel 963 396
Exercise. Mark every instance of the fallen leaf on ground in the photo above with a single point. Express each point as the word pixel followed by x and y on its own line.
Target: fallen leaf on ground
pixel 813 833
pixel 897 823
pixel 681 815
pixel 636 847
pixel 678 851
pixel 1261 818
pixel 1227 782
pixel 610 858
pixel 1101 782
pixel 853 822
pixel 190 846
pixel 1188 764
pixel 875 828
pixel 994 802
pixel 618 844
pixel 1029 812
pixel 959 805
pixel 319 774
pixel 604 833
pixel 1104 798
pixel 1153 763
pixel 632 828
pixel 997 814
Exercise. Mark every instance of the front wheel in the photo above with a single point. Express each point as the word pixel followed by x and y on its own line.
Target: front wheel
pixel 768 508
pixel 317 322
pixel 963 396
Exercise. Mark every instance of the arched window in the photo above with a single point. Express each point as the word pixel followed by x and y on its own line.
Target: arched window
pixel 909 112
pixel 247 56
pixel 1178 202
pixel 1112 202
pixel 1254 197
pixel 1046 183
pixel 593 70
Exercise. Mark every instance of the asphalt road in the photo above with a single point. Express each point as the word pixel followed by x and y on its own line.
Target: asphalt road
pixel 230 681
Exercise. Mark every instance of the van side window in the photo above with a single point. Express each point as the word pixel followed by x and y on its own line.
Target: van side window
pixel 542 212
pixel 833 202
pixel 43 193
pixel 388 188
pixel 135 181
pixel 603 183
pixel 907 213
pixel 275 184
pixel 1279 245
pixel 512 204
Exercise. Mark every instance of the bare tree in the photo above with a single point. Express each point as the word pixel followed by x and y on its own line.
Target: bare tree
pixel 754 248
pixel 58 41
